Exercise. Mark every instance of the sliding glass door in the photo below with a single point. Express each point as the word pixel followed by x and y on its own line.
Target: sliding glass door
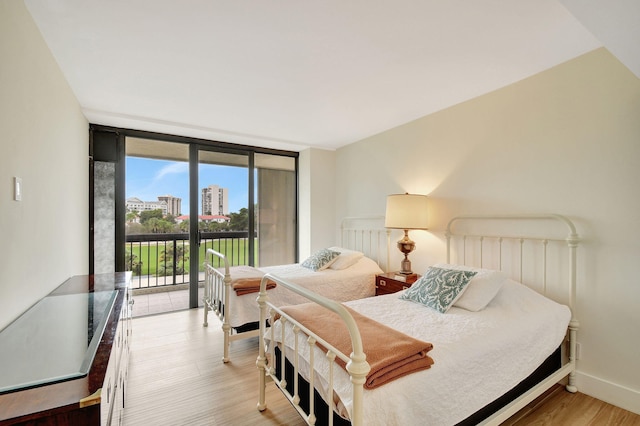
pixel 185 195
pixel 221 200
pixel 247 206
pixel 157 240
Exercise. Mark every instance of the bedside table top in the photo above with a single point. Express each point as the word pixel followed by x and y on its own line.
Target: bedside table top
pixel 398 276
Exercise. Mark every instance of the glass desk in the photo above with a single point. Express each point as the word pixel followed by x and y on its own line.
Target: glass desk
pixel 55 340
pixel 61 361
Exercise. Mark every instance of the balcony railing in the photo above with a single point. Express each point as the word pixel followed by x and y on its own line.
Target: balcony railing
pixel 163 260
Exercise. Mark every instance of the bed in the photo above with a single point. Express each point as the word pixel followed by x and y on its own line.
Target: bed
pixel 487 363
pixel 363 253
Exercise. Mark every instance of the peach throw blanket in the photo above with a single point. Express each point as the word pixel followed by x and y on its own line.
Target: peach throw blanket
pixel 246 280
pixel 390 353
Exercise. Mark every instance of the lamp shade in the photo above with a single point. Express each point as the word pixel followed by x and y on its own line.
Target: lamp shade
pixel 406 211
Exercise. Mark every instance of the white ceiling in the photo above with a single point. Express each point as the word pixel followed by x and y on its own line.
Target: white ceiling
pixel 292 74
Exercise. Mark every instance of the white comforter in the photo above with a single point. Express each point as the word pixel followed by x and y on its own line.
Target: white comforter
pixel 354 282
pixel 478 355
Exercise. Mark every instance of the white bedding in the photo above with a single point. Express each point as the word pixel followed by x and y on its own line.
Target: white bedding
pixel 478 356
pixel 354 282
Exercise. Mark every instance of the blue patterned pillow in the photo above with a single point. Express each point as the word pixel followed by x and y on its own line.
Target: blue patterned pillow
pixel 439 288
pixel 320 260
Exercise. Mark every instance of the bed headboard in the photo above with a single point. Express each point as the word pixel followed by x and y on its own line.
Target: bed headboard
pixel 368 235
pixel 538 250
pixel 532 249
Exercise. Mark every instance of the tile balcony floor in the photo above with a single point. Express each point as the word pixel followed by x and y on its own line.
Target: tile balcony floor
pixel 162 301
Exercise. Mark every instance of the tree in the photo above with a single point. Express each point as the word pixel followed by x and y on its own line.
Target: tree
pixel 132 216
pixel 184 226
pixel 158 226
pixel 166 227
pixel 214 226
pixel 146 215
pixel 135 228
pixel 152 225
pixel 133 263
pixel 167 262
pixel 239 221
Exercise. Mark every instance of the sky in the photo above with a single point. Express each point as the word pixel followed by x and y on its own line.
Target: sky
pixel 147 179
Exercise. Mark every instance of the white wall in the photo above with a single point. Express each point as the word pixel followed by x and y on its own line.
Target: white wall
pixel 44 237
pixel 316 189
pixel 564 141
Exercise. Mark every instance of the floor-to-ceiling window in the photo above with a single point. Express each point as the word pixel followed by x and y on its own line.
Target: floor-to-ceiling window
pixel 176 197
pixel 276 209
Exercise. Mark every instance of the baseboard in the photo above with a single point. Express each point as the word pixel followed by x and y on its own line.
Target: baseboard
pixel 611 393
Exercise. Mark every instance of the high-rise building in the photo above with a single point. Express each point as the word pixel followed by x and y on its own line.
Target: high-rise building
pixel 173 204
pixel 215 200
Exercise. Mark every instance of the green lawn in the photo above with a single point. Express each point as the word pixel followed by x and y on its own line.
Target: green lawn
pixel 150 254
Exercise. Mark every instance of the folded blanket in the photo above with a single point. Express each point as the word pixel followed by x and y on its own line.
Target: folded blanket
pixel 246 280
pixel 390 353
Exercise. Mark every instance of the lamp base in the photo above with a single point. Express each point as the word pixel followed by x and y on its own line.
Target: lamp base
pixel 406 246
pixel 406 267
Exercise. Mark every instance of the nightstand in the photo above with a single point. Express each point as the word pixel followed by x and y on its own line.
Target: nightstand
pixel 387 283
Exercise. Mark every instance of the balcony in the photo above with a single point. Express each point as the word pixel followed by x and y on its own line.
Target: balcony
pixel 161 265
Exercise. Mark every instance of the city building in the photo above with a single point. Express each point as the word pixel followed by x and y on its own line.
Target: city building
pixel 167 203
pixel 205 218
pixel 137 205
pixel 215 201
pixel 173 204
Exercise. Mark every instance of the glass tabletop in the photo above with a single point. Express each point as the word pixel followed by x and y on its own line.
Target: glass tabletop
pixel 55 340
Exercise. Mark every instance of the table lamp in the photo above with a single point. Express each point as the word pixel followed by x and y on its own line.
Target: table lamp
pixel 406 211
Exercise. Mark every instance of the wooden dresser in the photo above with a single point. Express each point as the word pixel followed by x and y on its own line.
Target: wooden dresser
pixel 68 356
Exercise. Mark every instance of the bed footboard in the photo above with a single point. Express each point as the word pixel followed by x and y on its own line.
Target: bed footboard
pixel 357 366
pixel 217 285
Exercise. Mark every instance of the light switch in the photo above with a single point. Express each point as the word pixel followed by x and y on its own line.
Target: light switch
pixel 17 189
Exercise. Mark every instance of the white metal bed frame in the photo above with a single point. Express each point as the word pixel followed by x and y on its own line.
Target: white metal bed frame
pixel 366 234
pixel 357 366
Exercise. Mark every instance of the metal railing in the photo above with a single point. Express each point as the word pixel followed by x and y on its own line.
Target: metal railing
pixel 163 260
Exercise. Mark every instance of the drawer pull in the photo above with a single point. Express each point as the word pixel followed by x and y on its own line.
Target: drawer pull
pixel 91 399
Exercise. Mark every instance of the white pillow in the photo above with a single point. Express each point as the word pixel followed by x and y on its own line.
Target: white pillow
pixel 320 260
pixel 347 258
pixel 482 288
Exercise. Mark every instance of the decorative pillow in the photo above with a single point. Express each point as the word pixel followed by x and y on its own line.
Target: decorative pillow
pixel 439 288
pixel 481 290
pixel 320 260
pixel 347 258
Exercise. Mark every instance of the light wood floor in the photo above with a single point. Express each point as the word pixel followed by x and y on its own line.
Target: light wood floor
pixel 559 407
pixel 176 377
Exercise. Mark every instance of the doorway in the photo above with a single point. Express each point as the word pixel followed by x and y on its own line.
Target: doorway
pixel 157 238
